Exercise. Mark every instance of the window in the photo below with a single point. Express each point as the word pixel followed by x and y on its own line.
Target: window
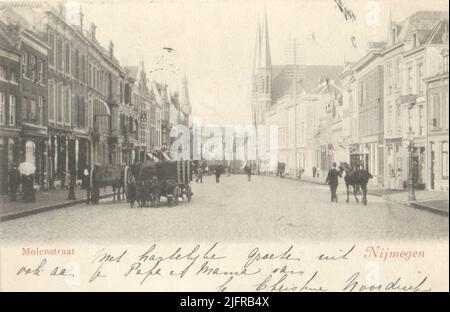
pixel 67 60
pixel 25 64
pixel 410 77
pixel 77 65
pixel 14 76
pixel 445 160
pixel 67 98
pixel 39 110
pixel 419 75
pixel 32 110
pixel 81 112
pixel 59 103
pixel 41 71
pixel 51 52
pixel 51 100
pixel 59 54
pixel 389 78
pixel 83 69
pixel 2 108
pixel 397 73
pixel 33 67
pixel 3 73
pixel 435 111
pixel 12 110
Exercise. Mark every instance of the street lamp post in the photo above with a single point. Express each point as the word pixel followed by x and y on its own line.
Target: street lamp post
pixel 411 192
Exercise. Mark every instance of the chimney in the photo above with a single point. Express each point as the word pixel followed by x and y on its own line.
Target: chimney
pixel 111 49
pixel 93 28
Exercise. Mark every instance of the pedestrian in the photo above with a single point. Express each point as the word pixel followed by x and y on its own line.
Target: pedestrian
pixel 248 171
pixel 28 188
pixel 199 175
pixel 218 172
pixel 314 171
pixel 86 184
pixel 332 180
pixel 132 190
pixel 14 182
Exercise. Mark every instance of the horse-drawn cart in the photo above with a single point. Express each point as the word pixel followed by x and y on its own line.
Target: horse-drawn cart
pixel 169 179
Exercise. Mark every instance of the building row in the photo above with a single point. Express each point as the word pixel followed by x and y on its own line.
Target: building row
pixel 386 112
pixel 66 103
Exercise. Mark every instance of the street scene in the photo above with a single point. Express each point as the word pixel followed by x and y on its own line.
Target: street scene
pixel 179 122
pixel 228 211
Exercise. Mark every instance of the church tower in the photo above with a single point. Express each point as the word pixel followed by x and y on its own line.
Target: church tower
pixel 262 73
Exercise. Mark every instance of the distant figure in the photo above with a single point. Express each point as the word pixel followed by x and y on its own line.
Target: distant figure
pixel 332 180
pixel 399 179
pixel 248 171
pixel 314 171
pixel 86 184
pixel 199 175
pixel 14 182
pixel 132 190
pixel 28 188
pixel 218 172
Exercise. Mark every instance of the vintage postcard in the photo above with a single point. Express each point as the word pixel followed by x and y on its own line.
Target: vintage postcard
pixel 224 146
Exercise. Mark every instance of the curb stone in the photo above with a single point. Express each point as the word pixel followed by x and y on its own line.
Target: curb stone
pixel 24 213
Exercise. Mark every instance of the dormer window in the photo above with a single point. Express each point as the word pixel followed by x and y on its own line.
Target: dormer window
pixel 394 35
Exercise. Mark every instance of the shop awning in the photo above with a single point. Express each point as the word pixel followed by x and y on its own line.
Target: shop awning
pixel 101 108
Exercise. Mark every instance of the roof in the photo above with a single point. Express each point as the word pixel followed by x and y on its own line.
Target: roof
pixel 422 22
pixel 8 39
pixel 310 75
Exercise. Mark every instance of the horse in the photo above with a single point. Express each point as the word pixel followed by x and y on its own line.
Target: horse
pixel 355 178
pixel 108 175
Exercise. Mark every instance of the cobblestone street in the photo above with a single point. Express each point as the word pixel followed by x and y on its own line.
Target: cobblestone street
pixel 266 209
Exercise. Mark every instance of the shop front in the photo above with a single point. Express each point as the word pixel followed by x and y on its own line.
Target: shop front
pixel 9 155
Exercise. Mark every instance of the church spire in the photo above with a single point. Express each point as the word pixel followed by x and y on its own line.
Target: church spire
pixel 262 58
pixel 266 61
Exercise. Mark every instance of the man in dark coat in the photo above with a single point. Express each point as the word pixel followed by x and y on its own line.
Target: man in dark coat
pixel 14 182
pixel 248 171
pixel 199 175
pixel 218 172
pixel 332 180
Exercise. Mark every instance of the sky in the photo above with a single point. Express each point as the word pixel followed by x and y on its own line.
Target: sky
pixel 213 41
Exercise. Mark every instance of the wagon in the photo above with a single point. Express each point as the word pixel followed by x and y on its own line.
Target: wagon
pixel 169 179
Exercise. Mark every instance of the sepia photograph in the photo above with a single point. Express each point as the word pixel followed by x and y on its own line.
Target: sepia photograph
pixel 195 145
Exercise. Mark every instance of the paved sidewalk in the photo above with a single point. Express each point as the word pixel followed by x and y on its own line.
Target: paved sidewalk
pixel 44 201
pixel 434 201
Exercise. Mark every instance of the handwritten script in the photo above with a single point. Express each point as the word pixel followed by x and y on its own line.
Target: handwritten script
pixel 213 267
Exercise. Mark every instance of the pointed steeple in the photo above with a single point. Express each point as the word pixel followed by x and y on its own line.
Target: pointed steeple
pixel 266 61
pixel 262 58
pixel 257 53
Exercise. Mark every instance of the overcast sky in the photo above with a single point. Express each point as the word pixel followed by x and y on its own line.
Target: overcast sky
pixel 214 40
